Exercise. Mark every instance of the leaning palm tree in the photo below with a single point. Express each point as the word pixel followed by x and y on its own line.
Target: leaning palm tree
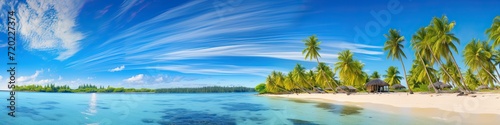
pixel 420 45
pixel 392 76
pixel 470 79
pixel 444 42
pixel 291 84
pixel 478 59
pixel 452 70
pixel 300 76
pixel 324 69
pixel 394 48
pixel 494 32
pixel 274 82
pixel 312 52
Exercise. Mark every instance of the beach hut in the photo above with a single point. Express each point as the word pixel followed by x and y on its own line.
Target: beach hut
pixel 439 86
pixel 482 87
pixel 345 89
pixel 377 85
pixel 398 86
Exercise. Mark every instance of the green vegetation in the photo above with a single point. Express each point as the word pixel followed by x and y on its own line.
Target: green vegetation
pixel 209 89
pixel 434 47
pixel 261 88
pixel 86 88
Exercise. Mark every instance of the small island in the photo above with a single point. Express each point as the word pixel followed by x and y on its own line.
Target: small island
pixel 89 88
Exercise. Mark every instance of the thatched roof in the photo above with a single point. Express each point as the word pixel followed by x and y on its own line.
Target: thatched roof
pixel 346 88
pixel 351 88
pixel 440 85
pixel 398 86
pixel 376 82
pixel 482 87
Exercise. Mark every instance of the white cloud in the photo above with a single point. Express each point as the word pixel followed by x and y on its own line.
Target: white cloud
pixel 50 25
pixel 120 68
pixel 30 78
pixel 60 78
pixel 159 79
pixel 135 79
pixel 1 78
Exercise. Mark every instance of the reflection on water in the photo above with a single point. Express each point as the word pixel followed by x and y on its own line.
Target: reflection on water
pixel 92 110
pixel 343 110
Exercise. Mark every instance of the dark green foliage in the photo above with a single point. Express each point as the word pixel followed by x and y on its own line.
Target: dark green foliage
pixel 261 88
pixel 208 89
pixel 86 88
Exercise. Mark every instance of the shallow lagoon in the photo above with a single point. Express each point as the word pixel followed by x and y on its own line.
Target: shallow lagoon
pixel 189 109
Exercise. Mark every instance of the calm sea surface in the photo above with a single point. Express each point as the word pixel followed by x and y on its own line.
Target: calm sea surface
pixel 195 109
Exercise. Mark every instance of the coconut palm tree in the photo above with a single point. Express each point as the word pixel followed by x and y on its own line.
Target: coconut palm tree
pixel 478 59
pixel 392 76
pixel 300 76
pixel 350 70
pixel 470 79
pixel 394 48
pixel 452 70
pixel 312 52
pixel 494 32
pixel 375 75
pixel 444 42
pixel 322 68
pixel 420 45
pixel 274 82
pixel 290 83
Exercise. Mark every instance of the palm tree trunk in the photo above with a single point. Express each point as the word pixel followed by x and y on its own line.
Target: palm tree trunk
pixel 492 76
pixel 428 75
pixel 498 74
pixel 444 69
pixel 406 79
pixel 300 87
pixel 458 68
pixel 324 76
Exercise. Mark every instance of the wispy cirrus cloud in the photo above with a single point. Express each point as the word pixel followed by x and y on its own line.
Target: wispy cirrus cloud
pixel 50 25
pixel 210 69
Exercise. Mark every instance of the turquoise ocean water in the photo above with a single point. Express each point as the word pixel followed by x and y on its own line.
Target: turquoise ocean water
pixel 188 109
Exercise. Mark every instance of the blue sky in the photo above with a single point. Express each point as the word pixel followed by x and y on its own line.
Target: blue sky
pixel 159 43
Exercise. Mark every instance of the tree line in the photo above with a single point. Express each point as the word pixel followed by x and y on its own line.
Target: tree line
pixel 89 88
pixel 434 47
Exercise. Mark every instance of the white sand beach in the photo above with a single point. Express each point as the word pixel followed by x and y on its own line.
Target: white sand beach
pixel 483 103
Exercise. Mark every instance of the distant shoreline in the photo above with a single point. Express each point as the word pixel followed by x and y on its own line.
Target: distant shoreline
pixel 482 103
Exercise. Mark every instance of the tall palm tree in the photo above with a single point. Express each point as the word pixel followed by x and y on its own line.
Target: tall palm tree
pixel 392 76
pixel 420 45
pixel 477 58
pixel 494 32
pixel 312 52
pixel 394 48
pixel 375 75
pixel 300 76
pixel 350 70
pixel 443 42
